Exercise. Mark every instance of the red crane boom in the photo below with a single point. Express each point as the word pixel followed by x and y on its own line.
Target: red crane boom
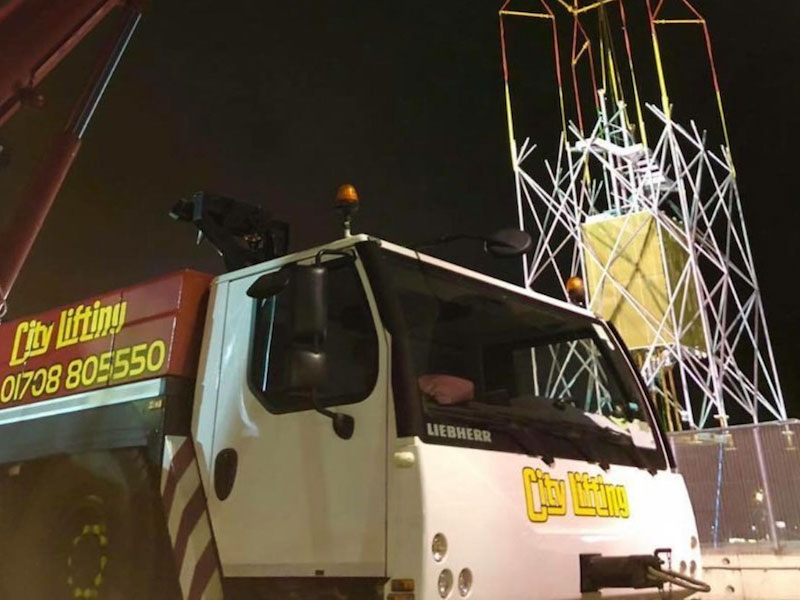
pixel 34 36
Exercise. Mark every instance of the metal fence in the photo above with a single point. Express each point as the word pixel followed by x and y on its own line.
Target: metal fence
pixel 744 484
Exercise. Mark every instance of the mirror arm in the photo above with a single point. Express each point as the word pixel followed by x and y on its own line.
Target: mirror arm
pixel 503 243
pixel 445 239
pixel 318 407
pixel 343 424
pixel 326 252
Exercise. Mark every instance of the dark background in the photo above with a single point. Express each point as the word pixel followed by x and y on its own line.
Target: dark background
pixel 279 103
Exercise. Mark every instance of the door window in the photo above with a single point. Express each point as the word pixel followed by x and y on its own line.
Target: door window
pixel 350 345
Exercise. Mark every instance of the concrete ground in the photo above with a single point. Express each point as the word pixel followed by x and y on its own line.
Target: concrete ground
pixel 740 576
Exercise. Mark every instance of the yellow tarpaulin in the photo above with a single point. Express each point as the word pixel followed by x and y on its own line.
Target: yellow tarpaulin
pixel 632 273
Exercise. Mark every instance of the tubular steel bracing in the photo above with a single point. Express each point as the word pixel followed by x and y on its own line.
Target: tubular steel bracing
pixel 654 225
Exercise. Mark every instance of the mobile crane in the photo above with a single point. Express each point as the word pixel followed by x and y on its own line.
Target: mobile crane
pixel 355 420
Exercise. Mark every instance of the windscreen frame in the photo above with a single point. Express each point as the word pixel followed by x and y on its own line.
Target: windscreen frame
pixel 411 419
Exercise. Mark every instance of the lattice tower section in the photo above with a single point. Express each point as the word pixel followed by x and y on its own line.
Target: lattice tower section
pixel 653 225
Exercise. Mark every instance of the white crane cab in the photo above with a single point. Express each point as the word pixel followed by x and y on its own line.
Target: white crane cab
pixel 382 424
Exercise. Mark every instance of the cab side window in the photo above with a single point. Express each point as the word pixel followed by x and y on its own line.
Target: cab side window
pixel 350 345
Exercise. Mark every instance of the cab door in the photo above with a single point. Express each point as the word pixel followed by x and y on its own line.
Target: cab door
pixel 304 502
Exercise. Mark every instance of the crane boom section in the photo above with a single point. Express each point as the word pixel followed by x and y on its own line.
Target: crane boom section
pixel 34 36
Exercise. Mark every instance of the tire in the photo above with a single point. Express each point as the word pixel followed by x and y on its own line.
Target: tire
pixel 93 527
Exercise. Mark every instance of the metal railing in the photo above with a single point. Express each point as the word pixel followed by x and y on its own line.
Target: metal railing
pixel 744 484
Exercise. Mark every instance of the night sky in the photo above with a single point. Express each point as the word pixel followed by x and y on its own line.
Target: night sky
pixel 279 103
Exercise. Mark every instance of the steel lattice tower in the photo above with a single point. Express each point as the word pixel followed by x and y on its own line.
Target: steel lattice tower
pixel 652 224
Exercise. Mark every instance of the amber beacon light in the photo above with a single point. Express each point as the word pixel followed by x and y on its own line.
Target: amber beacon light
pixel 576 290
pixel 347 204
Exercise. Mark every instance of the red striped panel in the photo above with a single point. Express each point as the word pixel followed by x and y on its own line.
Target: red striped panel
pixel 188 522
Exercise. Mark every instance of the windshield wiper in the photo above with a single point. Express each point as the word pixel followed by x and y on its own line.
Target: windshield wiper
pixel 621 440
pixel 625 441
pixel 517 434
pixel 520 434
pixel 578 419
pixel 500 415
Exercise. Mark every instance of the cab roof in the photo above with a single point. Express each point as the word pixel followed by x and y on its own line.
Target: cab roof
pixel 351 241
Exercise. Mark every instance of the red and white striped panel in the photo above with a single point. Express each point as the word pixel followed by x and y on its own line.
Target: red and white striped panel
pixel 188 522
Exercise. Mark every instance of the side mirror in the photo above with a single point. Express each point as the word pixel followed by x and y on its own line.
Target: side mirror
pixel 343 425
pixel 310 308
pixel 307 369
pixel 269 285
pixel 508 243
pixel 306 361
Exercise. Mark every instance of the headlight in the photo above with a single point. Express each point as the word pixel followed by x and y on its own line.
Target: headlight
pixel 464 582
pixel 445 583
pixel 439 547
